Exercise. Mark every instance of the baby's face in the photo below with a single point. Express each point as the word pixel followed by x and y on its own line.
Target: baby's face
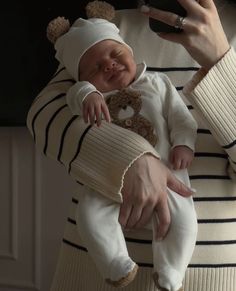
pixel 108 65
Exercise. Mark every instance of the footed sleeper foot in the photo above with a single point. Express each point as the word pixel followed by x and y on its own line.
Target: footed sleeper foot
pixel 125 280
pixel 155 279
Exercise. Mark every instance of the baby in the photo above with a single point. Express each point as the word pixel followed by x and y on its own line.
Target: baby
pixel 103 65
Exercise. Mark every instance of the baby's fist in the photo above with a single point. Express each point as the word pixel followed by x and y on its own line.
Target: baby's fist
pixel 181 157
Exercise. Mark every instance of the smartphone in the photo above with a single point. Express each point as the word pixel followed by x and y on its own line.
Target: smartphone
pixel 167 5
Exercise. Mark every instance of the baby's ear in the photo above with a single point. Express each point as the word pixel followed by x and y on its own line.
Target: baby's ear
pixel 100 9
pixel 56 28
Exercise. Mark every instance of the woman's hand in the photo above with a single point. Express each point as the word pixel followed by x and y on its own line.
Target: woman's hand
pixel 145 191
pixel 202 36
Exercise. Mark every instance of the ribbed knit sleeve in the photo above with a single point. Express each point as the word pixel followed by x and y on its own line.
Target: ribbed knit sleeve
pixel 106 154
pixel 213 95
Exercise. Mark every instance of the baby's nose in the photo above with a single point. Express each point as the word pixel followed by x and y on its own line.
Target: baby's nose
pixel 109 65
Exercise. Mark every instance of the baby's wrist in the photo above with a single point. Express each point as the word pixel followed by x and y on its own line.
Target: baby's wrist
pixel 94 94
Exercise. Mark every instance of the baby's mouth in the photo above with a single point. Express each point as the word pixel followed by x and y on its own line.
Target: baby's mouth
pixel 116 72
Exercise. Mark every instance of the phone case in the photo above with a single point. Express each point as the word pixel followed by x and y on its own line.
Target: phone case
pixel 166 5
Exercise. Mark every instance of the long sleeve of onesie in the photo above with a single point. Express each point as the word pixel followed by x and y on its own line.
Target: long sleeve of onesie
pixel 76 95
pixel 181 124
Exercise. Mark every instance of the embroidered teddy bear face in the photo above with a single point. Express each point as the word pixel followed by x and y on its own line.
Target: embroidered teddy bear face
pixel 125 107
pixel 124 104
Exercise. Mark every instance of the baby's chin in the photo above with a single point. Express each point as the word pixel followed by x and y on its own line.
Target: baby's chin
pixel 124 83
pixel 119 84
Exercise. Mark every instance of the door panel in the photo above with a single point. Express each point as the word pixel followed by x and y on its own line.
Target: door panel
pixel 35 194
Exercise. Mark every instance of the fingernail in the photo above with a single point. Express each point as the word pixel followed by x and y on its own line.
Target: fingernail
pixel 145 9
pixel 193 190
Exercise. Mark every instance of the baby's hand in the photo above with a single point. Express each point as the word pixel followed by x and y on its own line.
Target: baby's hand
pixel 94 105
pixel 181 157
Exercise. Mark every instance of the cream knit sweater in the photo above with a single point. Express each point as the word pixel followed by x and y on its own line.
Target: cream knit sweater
pixel 104 154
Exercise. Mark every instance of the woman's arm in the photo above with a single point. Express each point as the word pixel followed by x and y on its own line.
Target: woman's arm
pixel 212 90
pixel 96 157
pixel 213 95
pixel 77 94
pixel 112 160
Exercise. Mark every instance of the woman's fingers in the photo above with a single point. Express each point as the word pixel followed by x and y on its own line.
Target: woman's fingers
pixel 162 218
pixel 202 34
pixel 135 211
pixel 205 3
pixel 164 16
pixel 146 216
pixel 177 186
pixel 190 5
pixel 135 215
pixel 125 211
pixel 145 192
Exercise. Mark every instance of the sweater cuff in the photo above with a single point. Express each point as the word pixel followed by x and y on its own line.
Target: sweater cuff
pixel 106 154
pixel 213 95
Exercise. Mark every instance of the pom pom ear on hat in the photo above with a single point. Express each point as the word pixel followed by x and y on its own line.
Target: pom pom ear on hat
pixel 56 28
pixel 71 43
pixel 100 9
pixel 95 9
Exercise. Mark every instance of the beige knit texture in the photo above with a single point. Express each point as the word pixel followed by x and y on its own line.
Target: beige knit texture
pixel 216 248
pixel 70 266
pixel 215 98
pixel 100 150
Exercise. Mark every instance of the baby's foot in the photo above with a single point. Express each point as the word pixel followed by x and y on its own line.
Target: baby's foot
pixel 155 279
pixel 122 271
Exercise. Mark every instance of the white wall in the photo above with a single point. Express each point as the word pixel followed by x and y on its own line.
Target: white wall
pixel 35 194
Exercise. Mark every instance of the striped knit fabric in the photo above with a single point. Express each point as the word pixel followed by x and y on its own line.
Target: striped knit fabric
pixel 82 149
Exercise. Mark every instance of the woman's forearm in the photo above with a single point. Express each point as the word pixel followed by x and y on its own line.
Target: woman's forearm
pixel 213 96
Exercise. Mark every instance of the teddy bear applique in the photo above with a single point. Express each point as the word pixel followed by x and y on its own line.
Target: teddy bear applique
pixel 125 106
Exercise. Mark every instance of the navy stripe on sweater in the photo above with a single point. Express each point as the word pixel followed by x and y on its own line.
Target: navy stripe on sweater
pixel 63 137
pixel 203 131
pixel 232 144
pixel 209 177
pixel 74 200
pixel 40 110
pixel 149 265
pixel 211 155
pixel 200 221
pixel 48 126
pixel 79 146
pixel 172 69
pixel 210 199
